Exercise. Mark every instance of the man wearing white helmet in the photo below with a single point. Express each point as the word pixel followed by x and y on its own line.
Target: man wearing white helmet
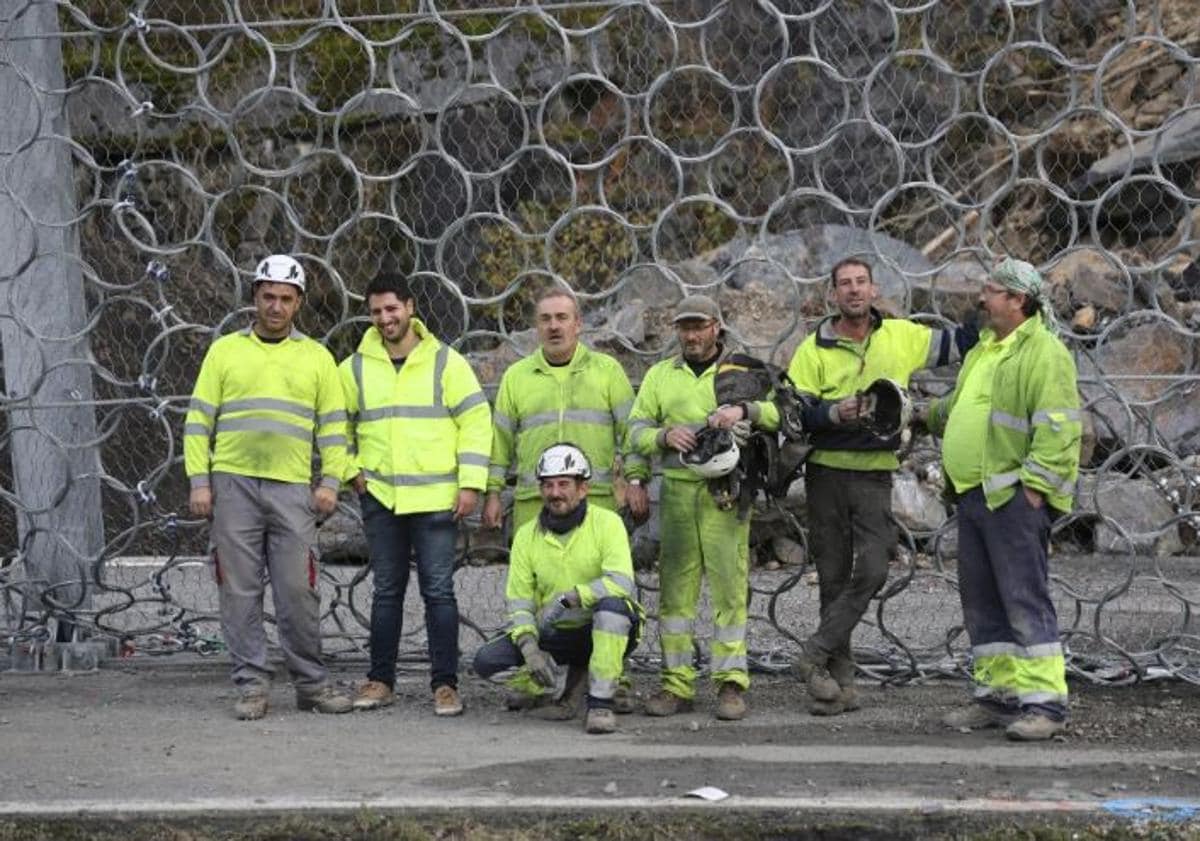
pixel 262 396
pixel 570 600
pixel 676 403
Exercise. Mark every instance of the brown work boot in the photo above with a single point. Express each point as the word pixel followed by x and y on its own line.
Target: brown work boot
pixel 664 703
pixel 814 673
pixel 601 720
pixel 731 705
pixel 515 701
pixel 1035 727
pixel 570 702
pixel 372 695
pixel 446 701
pixel 624 701
pixel 976 716
pixel 250 706
pixel 325 700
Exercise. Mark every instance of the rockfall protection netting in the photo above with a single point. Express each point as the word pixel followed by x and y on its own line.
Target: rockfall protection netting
pixel 154 150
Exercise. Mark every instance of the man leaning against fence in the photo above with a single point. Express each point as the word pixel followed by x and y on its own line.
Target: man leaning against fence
pixel 262 395
pixel 1011 436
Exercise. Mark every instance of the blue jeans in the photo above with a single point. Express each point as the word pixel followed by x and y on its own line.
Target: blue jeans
pixel 392 539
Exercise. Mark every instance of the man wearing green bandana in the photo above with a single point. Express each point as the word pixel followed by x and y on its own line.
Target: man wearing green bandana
pixel 1010 447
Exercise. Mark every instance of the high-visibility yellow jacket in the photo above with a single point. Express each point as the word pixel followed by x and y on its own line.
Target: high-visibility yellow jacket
pixel 831 368
pixel 420 433
pixel 592 559
pixel 1034 435
pixel 671 395
pixel 257 406
pixel 588 407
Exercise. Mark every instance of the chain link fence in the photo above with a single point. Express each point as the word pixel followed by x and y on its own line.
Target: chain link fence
pixel 153 151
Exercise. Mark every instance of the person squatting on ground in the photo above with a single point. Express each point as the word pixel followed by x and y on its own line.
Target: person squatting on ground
pixel 848 475
pixel 563 391
pixel 571 566
pixel 697 537
pixel 420 432
pixel 1011 433
pixel 261 396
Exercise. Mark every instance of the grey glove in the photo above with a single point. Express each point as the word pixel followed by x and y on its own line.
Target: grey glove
pixel 540 664
pixel 741 432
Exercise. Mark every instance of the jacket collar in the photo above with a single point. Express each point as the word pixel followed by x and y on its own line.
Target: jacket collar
pixel 828 337
pixel 725 351
pixel 295 335
pixel 372 342
pixel 578 360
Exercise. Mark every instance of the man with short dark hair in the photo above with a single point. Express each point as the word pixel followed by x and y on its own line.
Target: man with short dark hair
pixel 848 475
pixel 1010 447
pixel 262 396
pixel 421 428
pixel 571 566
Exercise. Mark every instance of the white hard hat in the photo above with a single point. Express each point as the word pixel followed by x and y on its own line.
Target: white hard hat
pixel 280 268
pixel 563 460
pixel 715 454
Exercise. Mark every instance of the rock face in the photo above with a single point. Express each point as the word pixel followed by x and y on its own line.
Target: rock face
pixel 1132 516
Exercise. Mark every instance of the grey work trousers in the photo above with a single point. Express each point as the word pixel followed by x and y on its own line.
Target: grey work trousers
pixel 851 535
pixel 266 530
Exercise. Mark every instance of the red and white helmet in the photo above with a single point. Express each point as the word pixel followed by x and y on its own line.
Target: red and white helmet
pixel 280 268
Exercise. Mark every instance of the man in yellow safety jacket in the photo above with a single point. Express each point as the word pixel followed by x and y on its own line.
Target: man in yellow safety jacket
pixel 1011 441
pixel 571 567
pixel 263 394
pixel 563 391
pixel 422 431
pixel 698 537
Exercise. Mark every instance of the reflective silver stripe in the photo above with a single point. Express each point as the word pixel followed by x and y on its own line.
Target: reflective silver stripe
pixel 622 581
pixel 599 687
pixel 331 417
pixel 574 614
pixel 263 425
pixel 638 425
pixel 268 404
pixel 937 336
pixel 729 663
pixel 1052 479
pixel 468 402
pixel 200 481
pixel 1000 480
pixel 598 589
pixel 514 605
pixel 538 419
pixel 1011 421
pixel 730 634
pixel 1041 698
pixel 1045 649
pixel 673 459
pixel 202 406
pixel 588 416
pixel 994 693
pixel 473 459
pixel 611 622
pixel 995 649
pixel 356 368
pixel 677 659
pixel 1044 416
pixel 621 413
pixel 497 471
pixel 502 421
pixel 439 370
pixel 520 617
pixel 196 429
pixel 331 440
pixel 330 482
pixel 408 480
pixel 675 625
pixel 387 412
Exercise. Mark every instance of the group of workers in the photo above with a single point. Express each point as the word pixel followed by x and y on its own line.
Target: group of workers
pixel 404 423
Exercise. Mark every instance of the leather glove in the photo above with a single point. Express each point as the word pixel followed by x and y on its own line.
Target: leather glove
pixel 539 663
pixel 741 432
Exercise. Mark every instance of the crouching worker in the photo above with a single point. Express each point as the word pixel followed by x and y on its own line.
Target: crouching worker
pixel 571 567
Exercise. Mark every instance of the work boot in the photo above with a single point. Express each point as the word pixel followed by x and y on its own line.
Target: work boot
pixel 324 700
pixel 664 703
pixel 570 702
pixel 372 695
pixel 601 720
pixel 515 701
pixel 847 701
pixel 250 706
pixel 624 701
pixel 815 674
pixel 731 706
pixel 976 716
pixel 446 701
pixel 1035 727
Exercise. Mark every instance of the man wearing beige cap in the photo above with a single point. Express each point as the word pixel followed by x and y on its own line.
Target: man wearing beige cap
pixel 1010 447
pixel 677 399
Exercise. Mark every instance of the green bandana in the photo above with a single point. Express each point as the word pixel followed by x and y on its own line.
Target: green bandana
pixel 1019 276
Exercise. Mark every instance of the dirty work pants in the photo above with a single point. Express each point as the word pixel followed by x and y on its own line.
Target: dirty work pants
pixel 263 529
pixel 525 510
pixel 851 535
pixel 602 646
pixel 392 540
pixel 698 539
pixel 1004 586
